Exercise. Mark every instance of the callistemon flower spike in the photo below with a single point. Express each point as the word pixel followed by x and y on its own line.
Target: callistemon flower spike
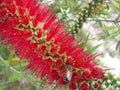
pixel 38 36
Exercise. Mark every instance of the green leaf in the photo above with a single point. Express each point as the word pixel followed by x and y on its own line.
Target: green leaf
pixel 118 46
pixel 84 42
pixel 15 76
pixel 116 6
pixel 91 50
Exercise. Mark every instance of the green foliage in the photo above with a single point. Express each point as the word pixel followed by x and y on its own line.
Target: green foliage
pixel 15 76
pixel 91 50
pixel 91 8
pixel 111 82
pixel 12 77
pixel 4 51
pixel 118 46
pixel 83 43
pixel 116 6
pixel 73 5
pixel 110 32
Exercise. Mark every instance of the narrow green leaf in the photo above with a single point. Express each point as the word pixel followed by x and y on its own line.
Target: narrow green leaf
pixel 91 50
pixel 118 46
pixel 84 42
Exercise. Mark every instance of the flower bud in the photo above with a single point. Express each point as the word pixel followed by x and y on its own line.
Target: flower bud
pixel 104 87
pixel 118 83
pixel 109 81
pixel 95 85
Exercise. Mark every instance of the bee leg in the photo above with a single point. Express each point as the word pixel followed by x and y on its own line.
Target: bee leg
pixel 66 79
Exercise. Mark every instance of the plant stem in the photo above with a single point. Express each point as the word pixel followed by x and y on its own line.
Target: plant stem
pixel 10 67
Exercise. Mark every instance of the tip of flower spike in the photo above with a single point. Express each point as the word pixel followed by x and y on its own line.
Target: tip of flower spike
pixel 97 73
pixel 72 86
pixel 84 86
pixel 86 75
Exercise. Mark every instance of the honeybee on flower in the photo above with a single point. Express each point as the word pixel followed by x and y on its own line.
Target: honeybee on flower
pixel 68 72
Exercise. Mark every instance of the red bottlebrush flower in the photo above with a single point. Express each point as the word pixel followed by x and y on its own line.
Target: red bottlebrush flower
pixel 84 86
pixel 72 86
pixel 54 75
pixel 76 77
pixel 36 35
pixel 97 73
pixel 86 75
pixel 95 84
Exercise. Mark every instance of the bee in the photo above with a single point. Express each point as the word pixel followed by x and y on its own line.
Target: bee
pixel 68 72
